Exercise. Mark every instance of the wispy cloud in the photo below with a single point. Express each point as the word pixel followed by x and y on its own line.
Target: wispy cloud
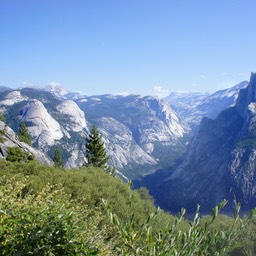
pixel 122 93
pixel 160 89
pixel 203 76
pixel 54 84
pixel 27 84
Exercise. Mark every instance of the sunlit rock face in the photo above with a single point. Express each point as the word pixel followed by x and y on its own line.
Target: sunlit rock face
pixel 45 130
pixel 77 117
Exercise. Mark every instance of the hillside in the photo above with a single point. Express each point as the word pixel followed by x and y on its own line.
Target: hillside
pixel 48 211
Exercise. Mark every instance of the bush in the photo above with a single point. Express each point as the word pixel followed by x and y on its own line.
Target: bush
pixel 16 154
pixel 45 223
pixel 40 217
pixel 24 135
pixel 198 238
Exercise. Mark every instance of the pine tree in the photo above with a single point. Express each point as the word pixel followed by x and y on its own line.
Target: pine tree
pixel 24 134
pixel 16 154
pixel 95 150
pixel 57 159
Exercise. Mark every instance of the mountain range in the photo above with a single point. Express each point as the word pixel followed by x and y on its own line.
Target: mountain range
pixel 141 133
pixel 218 164
pixel 194 106
pixel 138 131
pixel 187 148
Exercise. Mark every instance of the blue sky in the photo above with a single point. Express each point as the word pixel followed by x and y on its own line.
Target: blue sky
pixel 134 46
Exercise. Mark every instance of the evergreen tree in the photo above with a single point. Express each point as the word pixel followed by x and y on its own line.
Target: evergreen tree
pixel 24 134
pixel 16 154
pixel 58 162
pixel 95 150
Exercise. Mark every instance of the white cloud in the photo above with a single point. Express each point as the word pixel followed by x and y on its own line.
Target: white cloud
pixel 224 73
pixel 122 93
pixel 54 84
pixel 27 84
pixel 159 89
pixel 203 76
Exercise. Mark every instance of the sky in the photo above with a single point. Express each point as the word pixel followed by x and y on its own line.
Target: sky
pixel 148 47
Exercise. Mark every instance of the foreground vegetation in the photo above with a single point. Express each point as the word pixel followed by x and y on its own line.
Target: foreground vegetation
pixel 50 211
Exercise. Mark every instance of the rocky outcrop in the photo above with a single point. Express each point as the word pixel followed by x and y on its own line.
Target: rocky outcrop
pixel 139 132
pixel 9 139
pixel 76 115
pixel 12 98
pixel 45 130
pixel 121 145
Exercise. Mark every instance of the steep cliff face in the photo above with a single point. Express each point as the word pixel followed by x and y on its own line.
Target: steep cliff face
pixel 219 163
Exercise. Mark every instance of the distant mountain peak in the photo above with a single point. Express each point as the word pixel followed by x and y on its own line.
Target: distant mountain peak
pixel 253 77
pixel 246 96
pixel 56 89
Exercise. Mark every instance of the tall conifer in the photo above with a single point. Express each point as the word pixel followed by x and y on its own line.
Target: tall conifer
pixel 95 150
pixel 57 159
pixel 24 135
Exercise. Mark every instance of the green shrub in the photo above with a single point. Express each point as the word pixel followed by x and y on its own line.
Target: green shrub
pixel 196 239
pixel 45 223
pixel 16 154
pixel 132 225
pixel 2 133
pixel 57 159
pixel 24 135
